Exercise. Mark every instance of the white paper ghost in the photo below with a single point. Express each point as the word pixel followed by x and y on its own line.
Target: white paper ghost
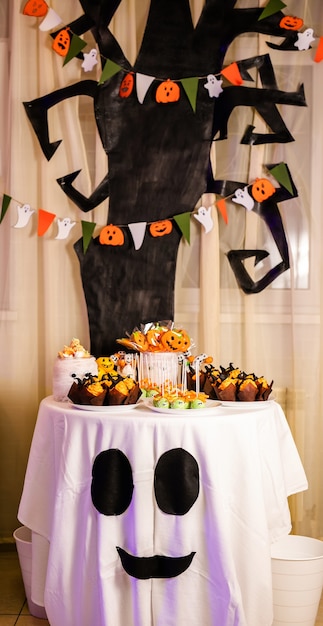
pixel 242 197
pixel 205 218
pixel 214 86
pixel 24 215
pixel 304 39
pixel 64 228
pixel 90 60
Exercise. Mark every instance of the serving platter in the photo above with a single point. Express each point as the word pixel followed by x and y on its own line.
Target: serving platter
pixel 210 407
pixel 117 408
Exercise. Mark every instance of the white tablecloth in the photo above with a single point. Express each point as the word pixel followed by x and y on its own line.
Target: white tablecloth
pixel 242 466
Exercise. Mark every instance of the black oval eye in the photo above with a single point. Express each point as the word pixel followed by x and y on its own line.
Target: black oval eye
pixel 176 481
pixel 112 483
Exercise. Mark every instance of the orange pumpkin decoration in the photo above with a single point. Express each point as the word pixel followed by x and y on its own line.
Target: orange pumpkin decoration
pixel 168 91
pixel 163 227
pixel 126 86
pixel 140 340
pixel 35 8
pixel 111 236
pixel 289 22
pixel 175 341
pixel 62 42
pixel 262 189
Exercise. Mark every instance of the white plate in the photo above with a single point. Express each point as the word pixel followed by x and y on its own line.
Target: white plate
pixel 119 408
pixel 246 406
pixel 210 406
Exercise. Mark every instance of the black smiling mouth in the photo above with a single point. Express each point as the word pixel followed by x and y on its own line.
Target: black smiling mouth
pixel 154 566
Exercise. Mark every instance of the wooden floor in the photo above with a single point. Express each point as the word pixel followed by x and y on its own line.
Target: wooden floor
pixel 13 606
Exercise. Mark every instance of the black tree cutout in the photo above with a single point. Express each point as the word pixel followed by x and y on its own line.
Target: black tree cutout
pixel 158 153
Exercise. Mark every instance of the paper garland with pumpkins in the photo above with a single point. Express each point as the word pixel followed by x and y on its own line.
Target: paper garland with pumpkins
pixel 158 146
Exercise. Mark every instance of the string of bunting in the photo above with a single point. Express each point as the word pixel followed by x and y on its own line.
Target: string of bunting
pixel 69 45
pixel 113 234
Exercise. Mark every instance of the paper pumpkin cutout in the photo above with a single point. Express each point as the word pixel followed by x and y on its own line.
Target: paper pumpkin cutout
pixel 168 91
pixel 161 228
pixel 62 42
pixel 35 8
pixel 111 236
pixel 175 341
pixel 126 86
pixel 291 22
pixel 262 189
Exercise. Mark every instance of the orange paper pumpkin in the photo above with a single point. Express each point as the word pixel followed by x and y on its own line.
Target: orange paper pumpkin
pixel 168 91
pixel 111 236
pixel 62 42
pixel 163 227
pixel 126 86
pixel 291 23
pixel 175 341
pixel 262 189
pixel 35 8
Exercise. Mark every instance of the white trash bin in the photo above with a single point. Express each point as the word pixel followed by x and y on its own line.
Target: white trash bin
pixel 297 573
pixel 22 536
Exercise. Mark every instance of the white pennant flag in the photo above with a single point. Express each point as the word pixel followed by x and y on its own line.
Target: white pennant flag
pixel 143 83
pixel 138 230
pixel 51 20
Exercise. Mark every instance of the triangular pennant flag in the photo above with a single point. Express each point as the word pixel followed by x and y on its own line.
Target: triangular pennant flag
pixel 51 21
pixel 143 83
pixel 109 70
pixel 5 204
pixel 319 51
pixel 280 172
pixel 272 7
pixel 221 205
pixel 87 232
pixel 191 86
pixel 45 219
pixel 232 73
pixel 184 223
pixel 138 230
pixel 77 44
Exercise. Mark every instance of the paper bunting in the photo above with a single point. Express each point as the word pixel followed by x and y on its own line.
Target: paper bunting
pixel 45 219
pixel 319 51
pixel 143 83
pixel 271 8
pixel 204 216
pixel 24 215
pixel 87 232
pixel 5 204
pixel 109 70
pixel 64 228
pixel 190 87
pixel 184 223
pixel 221 205
pixel 232 74
pixel 51 21
pixel 138 230
pixel 77 44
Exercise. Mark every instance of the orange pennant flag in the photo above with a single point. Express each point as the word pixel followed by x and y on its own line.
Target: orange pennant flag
pixel 232 74
pixel 221 205
pixel 45 219
pixel 319 51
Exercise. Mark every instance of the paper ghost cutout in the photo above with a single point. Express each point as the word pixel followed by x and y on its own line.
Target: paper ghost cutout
pixel 214 86
pixel 304 39
pixel 64 227
pixel 90 60
pixel 24 215
pixel 205 218
pixel 243 197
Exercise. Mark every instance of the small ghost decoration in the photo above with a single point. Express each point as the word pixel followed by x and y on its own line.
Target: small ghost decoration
pixel 90 60
pixel 24 215
pixel 205 218
pixel 304 39
pixel 242 197
pixel 64 228
pixel 214 86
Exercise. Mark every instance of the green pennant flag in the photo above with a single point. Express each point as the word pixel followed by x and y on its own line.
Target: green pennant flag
pixel 191 86
pixel 109 70
pixel 77 44
pixel 5 204
pixel 87 232
pixel 272 7
pixel 183 220
pixel 280 172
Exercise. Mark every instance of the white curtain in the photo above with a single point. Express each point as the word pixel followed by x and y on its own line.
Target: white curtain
pixel 275 333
